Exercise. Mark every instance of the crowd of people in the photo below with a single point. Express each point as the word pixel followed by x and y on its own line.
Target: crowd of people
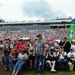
pixel 36 54
pixel 56 33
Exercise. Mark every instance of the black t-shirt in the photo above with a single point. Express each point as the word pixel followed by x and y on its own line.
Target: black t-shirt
pixel 16 55
pixel 7 49
pixel 49 57
pixel 67 47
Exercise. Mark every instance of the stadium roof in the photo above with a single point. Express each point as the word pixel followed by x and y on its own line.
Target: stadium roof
pixel 38 21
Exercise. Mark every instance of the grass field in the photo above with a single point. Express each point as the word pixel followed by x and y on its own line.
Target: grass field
pixel 34 73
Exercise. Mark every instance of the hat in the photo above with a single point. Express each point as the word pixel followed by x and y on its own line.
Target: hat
pixel 65 37
pixel 39 35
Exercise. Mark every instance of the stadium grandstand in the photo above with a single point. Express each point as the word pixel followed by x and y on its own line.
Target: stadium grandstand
pixel 50 29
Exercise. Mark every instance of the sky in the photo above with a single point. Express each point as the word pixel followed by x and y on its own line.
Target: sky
pixel 26 10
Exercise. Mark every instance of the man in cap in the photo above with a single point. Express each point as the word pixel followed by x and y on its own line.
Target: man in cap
pixel 39 53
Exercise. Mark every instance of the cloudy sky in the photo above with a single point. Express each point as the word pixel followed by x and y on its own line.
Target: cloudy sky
pixel 19 10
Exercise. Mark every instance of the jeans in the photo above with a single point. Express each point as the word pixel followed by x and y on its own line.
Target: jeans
pixel 74 51
pixel 8 62
pixel 19 65
pixel 62 62
pixel 38 59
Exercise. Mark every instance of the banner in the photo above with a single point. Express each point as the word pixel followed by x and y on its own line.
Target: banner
pixel 71 30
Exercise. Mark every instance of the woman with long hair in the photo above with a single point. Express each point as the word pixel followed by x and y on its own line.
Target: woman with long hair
pixel 22 58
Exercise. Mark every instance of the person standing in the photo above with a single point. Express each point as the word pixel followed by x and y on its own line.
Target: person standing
pixel 7 55
pixel 39 46
pixel 66 45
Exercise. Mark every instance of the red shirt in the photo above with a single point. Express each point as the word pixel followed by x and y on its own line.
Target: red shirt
pixel 19 46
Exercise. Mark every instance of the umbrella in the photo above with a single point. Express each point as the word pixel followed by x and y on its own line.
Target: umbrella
pixel 25 38
pixel 54 41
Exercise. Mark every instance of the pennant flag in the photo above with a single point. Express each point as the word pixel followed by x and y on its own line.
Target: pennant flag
pixel 71 30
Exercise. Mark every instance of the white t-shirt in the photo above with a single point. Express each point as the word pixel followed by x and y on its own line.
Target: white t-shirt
pixel 22 56
pixel 61 56
pixel 73 47
pixel 70 54
pixel 2 46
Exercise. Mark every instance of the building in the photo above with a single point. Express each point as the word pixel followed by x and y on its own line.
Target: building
pixel 35 25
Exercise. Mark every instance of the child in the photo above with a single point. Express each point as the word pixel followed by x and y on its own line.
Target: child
pixel 14 55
